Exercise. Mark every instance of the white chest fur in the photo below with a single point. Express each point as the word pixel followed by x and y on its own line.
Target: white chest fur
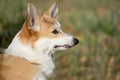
pixel 44 60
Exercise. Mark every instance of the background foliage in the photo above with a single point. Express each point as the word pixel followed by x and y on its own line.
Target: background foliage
pixel 95 22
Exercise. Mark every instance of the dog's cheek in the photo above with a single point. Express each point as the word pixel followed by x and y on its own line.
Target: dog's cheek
pixel 42 43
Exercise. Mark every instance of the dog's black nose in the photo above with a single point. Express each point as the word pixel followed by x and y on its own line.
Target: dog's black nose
pixel 75 41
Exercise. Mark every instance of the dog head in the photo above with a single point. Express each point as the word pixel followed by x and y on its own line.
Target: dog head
pixel 44 32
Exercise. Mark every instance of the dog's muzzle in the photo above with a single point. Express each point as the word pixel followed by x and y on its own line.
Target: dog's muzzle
pixel 75 42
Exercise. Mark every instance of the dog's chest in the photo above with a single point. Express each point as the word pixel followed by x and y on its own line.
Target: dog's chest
pixel 47 65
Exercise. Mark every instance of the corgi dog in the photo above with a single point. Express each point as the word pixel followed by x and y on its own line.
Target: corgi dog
pixel 30 54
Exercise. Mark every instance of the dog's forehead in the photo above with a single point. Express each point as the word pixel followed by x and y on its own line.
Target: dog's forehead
pixel 57 25
pixel 51 22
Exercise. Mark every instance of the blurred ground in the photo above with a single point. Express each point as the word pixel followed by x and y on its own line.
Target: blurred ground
pixel 95 22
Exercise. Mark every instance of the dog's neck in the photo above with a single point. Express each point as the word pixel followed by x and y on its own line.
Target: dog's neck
pixel 42 57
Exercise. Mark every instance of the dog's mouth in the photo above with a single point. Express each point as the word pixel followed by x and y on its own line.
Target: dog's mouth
pixel 64 46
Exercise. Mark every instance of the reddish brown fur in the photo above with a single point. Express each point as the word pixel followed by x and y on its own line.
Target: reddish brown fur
pixel 14 68
pixel 46 27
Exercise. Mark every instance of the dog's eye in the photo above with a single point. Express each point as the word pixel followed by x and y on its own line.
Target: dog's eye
pixel 55 32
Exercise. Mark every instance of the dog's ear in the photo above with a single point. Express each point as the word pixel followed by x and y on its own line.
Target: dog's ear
pixel 52 11
pixel 32 17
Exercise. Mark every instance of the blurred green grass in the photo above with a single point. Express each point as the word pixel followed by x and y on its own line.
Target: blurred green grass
pixel 95 22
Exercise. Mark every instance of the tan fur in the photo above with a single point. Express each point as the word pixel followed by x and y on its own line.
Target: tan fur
pixel 14 68
pixel 46 27
pixel 46 24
